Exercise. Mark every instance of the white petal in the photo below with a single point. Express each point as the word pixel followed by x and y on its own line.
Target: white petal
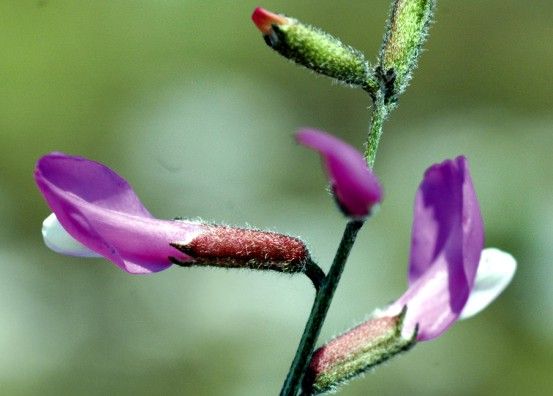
pixel 59 240
pixel 495 271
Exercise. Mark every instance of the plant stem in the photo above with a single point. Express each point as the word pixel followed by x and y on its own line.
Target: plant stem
pixel 315 273
pixel 319 310
pixel 380 111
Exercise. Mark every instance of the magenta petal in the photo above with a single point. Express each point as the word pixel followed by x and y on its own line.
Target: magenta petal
pixel 91 181
pixel 99 209
pixel 357 189
pixel 447 239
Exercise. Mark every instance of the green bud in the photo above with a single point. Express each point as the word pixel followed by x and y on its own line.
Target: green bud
pixel 355 352
pixel 405 33
pixel 317 50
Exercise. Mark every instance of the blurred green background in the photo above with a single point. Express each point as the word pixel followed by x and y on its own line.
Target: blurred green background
pixel 184 99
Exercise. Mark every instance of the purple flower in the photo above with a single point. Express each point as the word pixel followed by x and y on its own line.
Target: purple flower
pixel 96 212
pixel 355 187
pixel 450 278
pixel 446 245
pixel 100 210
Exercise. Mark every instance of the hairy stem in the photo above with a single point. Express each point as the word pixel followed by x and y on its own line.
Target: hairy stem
pixel 380 111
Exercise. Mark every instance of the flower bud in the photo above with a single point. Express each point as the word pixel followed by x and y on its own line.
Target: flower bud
pixel 316 50
pixel 405 33
pixel 355 187
pixel 355 352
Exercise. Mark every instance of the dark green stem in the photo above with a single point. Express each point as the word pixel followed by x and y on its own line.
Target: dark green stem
pixel 315 273
pixel 319 310
pixel 380 111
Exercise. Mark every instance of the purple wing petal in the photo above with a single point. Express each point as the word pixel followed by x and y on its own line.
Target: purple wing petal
pixel 356 187
pixel 100 210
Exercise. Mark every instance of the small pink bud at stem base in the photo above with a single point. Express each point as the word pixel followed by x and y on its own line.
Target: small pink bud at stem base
pixel 353 342
pixel 355 352
pixel 264 20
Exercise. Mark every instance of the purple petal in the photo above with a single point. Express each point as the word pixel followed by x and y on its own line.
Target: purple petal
pixel 100 210
pixel 447 240
pixel 357 189
pixel 92 182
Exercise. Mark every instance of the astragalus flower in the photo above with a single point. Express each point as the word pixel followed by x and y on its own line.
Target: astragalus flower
pixel 356 188
pixel 97 213
pixel 446 242
pixel 450 277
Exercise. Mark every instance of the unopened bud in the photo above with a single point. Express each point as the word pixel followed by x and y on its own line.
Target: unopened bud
pixel 355 352
pixel 405 33
pixel 231 247
pixel 355 187
pixel 316 50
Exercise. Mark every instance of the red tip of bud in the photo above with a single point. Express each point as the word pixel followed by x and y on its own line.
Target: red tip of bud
pixel 264 19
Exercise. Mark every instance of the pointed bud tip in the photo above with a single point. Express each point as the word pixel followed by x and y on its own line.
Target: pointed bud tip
pixel 264 19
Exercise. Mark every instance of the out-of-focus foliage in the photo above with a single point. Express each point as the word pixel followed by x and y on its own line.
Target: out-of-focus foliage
pixel 184 99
